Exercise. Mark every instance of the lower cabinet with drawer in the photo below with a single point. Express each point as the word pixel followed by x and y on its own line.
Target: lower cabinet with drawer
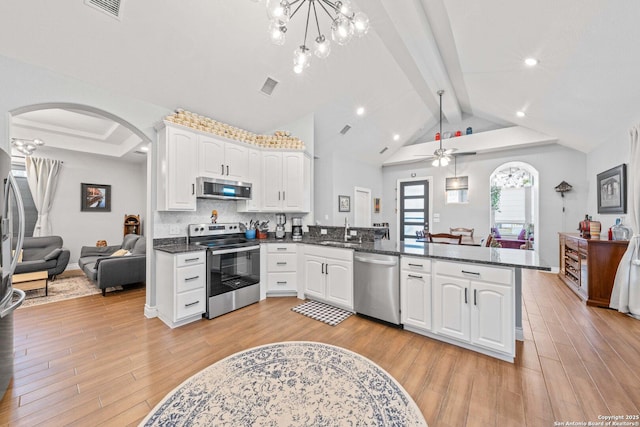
pixel 415 293
pixel 181 287
pixel 282 271
pixel 475 305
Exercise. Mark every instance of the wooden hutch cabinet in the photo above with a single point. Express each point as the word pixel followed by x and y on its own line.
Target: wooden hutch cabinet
pixel 132 224
pixel 588 266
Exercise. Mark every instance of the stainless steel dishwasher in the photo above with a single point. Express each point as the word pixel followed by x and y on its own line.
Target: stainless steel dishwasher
pixel 377 286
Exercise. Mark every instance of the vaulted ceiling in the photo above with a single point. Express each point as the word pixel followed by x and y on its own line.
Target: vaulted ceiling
pixel 213 56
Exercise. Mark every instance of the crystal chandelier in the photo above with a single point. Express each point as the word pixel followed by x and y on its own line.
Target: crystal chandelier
pixel 345 23
pixel 26 146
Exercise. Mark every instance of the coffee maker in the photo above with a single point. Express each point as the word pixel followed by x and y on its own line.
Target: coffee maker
pixel 281 220
pixel 296 228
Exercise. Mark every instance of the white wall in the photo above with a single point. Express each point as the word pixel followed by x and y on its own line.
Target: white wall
pixel 555 163
pixel 337 175
pixel 25 85
pixel 610 154
pixel 128 196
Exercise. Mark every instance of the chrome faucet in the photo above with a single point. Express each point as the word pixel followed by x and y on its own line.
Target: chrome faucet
pixel 346 229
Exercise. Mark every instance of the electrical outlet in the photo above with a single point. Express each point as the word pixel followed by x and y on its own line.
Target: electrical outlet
pixel 353 233
pixel 323 231
pixel 174 229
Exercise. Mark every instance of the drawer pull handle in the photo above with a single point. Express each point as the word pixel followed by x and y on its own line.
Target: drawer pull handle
pixel 470 272
pixel 281 249
pixel 416 265
pixel 191 259
pixel 282 283
pixel 188 279
pixel 322 268
pixel 192 303
pixel 281 263
pixel 415 276
pixel 475 297
pixel 465 295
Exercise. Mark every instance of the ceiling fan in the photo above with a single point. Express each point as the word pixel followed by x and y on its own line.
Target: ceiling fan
pixel 442 157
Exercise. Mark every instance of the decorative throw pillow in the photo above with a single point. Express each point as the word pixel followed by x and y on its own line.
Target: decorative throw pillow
pixel 522 235
pixel 496 232
pixel 53 254
pixel 120 252
pixel 13 253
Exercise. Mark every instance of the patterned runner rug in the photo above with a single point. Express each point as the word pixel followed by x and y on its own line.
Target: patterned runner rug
pixel 289 384
pixel 323 312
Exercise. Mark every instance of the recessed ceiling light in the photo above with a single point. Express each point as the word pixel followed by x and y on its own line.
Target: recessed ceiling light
pixel 531 62
pixel 396 137
pixel 520 114
pixel 360 111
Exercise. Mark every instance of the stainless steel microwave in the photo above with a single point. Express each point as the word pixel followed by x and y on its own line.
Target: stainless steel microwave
pixel 213 188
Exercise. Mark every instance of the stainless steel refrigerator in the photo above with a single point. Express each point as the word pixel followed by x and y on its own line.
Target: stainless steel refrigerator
pixel 10 298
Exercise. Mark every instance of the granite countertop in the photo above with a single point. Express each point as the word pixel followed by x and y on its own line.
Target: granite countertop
pixel 178 248
pixel 461 253
pixel 472 254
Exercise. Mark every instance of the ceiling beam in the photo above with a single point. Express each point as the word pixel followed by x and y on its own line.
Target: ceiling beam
pixel 405 30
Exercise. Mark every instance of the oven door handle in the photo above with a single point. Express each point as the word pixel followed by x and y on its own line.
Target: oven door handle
pixel 233 250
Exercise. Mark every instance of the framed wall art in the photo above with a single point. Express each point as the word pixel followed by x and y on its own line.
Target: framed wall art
pixel 612 190
pixel 344 204
pixel 95 198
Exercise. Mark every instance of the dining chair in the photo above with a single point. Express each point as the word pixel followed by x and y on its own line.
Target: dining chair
pixel 488 241
pixel 420 234
pixel 462 231
pixel 454 239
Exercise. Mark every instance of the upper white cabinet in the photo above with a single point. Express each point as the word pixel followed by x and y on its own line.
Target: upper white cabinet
pixel 284 182
pixel 281 180
pixel 221 159
pixel 177 169
pixel 254 176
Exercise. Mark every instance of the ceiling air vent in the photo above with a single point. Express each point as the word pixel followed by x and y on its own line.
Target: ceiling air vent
pixel 384 149
pixel 345 129
pixel 268 86
pixel 110 7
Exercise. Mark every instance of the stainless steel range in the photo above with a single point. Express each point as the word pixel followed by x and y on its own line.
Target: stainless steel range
pixel 233 267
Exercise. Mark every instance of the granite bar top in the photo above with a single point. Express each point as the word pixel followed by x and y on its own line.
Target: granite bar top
pixel 501 257
pixel 179 248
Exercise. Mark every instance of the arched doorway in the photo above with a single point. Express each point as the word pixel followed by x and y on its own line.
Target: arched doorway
pixel 117 140
pixel 514 205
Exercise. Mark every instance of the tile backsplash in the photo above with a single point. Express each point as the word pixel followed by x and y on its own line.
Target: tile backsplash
pixel 174 224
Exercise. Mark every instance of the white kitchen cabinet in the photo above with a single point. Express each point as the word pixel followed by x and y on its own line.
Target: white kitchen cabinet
pixel 254 176
pixel 222 159
pixel 284 182
pixel 475 304
pixel 181 287
pixel 328 275
pixel 282 260
pixel 177 157
pixel 415 292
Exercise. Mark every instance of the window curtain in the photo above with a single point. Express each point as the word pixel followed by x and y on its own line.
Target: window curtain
pixel 42 176
pixel 625 296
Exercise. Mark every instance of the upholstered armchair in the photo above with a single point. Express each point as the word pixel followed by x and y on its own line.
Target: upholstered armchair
pixel 43 254
pixel 110 266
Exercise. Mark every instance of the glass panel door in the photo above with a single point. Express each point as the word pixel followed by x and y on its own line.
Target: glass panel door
pixel 414 209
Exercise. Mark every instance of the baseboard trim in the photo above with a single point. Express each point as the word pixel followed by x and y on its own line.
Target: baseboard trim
pixel 150 312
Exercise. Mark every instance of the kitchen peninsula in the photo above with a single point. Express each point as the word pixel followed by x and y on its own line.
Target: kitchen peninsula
pixel 464 295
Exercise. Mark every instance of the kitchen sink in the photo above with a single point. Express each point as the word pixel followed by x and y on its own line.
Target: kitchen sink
pixel 340 244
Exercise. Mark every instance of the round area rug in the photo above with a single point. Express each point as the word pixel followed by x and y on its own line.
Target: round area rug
pixel 289 384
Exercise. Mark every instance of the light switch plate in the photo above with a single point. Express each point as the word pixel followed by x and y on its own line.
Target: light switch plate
pixel 353 233
pixel 323 231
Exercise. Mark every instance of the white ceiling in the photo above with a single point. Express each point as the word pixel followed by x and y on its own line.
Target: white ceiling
pixel 212 57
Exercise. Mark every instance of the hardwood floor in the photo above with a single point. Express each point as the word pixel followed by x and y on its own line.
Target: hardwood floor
pixel 98 361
